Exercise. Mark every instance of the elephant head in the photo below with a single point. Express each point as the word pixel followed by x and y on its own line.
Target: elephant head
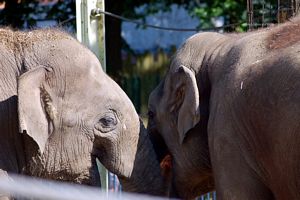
pixel 178 119
pixel 71 112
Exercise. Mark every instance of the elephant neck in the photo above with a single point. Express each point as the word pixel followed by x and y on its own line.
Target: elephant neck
pixel 146 176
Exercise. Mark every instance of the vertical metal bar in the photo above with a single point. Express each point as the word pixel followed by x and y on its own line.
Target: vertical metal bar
pixel 100 30
pixel 91 30
pixel 250 14
pixel 79 20
pixel 292 7
pixel 296 5
pixel 103 176
pixel 286 10
pixel 214 196
pixel 263 14
pixel 278 11
pixel 120 187
pixel 115 183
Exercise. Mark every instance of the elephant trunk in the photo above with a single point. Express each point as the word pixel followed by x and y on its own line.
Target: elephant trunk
pixel 146 176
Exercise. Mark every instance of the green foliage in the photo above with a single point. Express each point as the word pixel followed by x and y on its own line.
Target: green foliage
pixel 232 11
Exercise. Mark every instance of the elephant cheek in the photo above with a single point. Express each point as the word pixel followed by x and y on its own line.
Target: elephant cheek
pixel 127 164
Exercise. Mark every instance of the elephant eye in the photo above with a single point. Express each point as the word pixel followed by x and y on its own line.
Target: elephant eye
pixel 107 122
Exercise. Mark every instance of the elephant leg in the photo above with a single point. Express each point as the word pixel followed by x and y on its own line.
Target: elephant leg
pixel 235 179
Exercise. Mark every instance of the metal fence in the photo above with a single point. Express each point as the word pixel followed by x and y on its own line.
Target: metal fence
pixel 115 186
pixel 262 13
pixel 32 188
pixel 17 186
pixel 114 183
pixel 208 196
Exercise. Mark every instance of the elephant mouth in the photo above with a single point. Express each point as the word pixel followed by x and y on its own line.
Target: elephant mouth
pixel 88 178
pixel 97 153
pixel 107 157
pixel 94 172
pixel 159 145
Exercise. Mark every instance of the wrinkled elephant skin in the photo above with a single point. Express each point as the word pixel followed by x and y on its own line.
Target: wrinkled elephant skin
pixel 228 113
pixel 59 112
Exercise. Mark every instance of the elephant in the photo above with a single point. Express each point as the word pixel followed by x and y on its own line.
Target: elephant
pixel 59 112
pixel 227 112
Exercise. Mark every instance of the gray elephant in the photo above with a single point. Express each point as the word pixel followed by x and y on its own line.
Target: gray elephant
pixel 59 112
pixel 228 113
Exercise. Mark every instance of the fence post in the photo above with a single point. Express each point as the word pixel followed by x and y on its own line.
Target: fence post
pixel 287 9
pixel 296 7
pixel 90 29
pixel 91 32
pixel 250 14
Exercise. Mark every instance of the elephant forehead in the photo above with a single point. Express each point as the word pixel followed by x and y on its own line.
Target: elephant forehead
pixel 77 66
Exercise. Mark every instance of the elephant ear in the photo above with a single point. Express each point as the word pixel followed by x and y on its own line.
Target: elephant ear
pixel 35 106
pixel 187 99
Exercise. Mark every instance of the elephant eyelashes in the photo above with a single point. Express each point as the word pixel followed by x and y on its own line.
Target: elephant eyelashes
pixel 107 123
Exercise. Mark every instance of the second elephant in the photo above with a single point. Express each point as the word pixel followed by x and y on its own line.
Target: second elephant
pixel 228 112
